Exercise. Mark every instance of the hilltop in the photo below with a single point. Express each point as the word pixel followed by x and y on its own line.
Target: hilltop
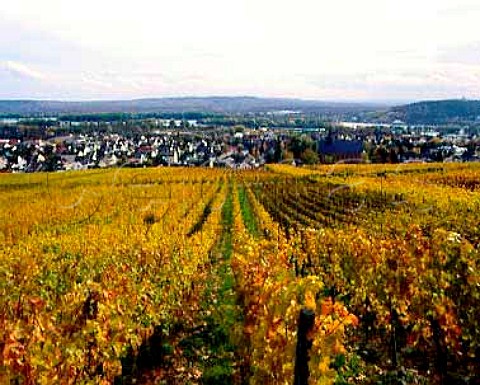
pixel 224 104
pixel 437 112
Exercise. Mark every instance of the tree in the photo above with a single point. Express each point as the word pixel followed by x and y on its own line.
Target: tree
pixel 309 156
pixel 287 156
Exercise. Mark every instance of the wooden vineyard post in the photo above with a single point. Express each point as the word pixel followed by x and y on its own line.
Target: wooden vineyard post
pixel 305 324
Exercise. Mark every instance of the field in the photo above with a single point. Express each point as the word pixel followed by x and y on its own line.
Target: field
pixel 202 276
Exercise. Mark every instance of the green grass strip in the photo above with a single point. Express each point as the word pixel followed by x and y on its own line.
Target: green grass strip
pixel 249 218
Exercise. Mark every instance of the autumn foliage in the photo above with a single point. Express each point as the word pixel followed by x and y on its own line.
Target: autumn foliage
pixel 387 257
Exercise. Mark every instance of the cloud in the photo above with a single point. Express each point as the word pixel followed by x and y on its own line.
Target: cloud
pixel 309 48
pixel 22 70
pixel 91 79
pixel 435 81
pixel 461 54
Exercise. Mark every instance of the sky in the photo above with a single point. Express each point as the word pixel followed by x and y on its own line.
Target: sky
pixel 343 50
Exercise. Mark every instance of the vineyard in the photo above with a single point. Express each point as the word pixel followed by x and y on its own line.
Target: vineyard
pixel 202 276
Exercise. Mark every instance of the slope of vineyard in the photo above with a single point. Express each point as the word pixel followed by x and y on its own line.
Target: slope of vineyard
pixel 385 257
pixel 401 248
pixel 89 279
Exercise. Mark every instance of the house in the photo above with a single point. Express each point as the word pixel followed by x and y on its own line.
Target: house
pixel 3 163
pixel 334 150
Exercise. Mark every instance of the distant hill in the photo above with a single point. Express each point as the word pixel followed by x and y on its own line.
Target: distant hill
pixel 184 104
pixel 425 112
pixel 437 112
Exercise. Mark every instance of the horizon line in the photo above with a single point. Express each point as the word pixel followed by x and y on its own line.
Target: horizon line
pixel 385 102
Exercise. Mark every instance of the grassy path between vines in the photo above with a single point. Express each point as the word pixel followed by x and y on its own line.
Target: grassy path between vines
pixel 249 218
pixel 206 348
pixel 221 336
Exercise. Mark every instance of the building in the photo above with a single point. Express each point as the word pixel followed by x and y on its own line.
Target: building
pixel 334 150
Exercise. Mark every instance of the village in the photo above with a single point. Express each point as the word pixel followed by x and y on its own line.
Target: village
pixel 179 143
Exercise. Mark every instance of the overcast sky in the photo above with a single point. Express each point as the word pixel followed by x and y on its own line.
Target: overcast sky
pixel 315 49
